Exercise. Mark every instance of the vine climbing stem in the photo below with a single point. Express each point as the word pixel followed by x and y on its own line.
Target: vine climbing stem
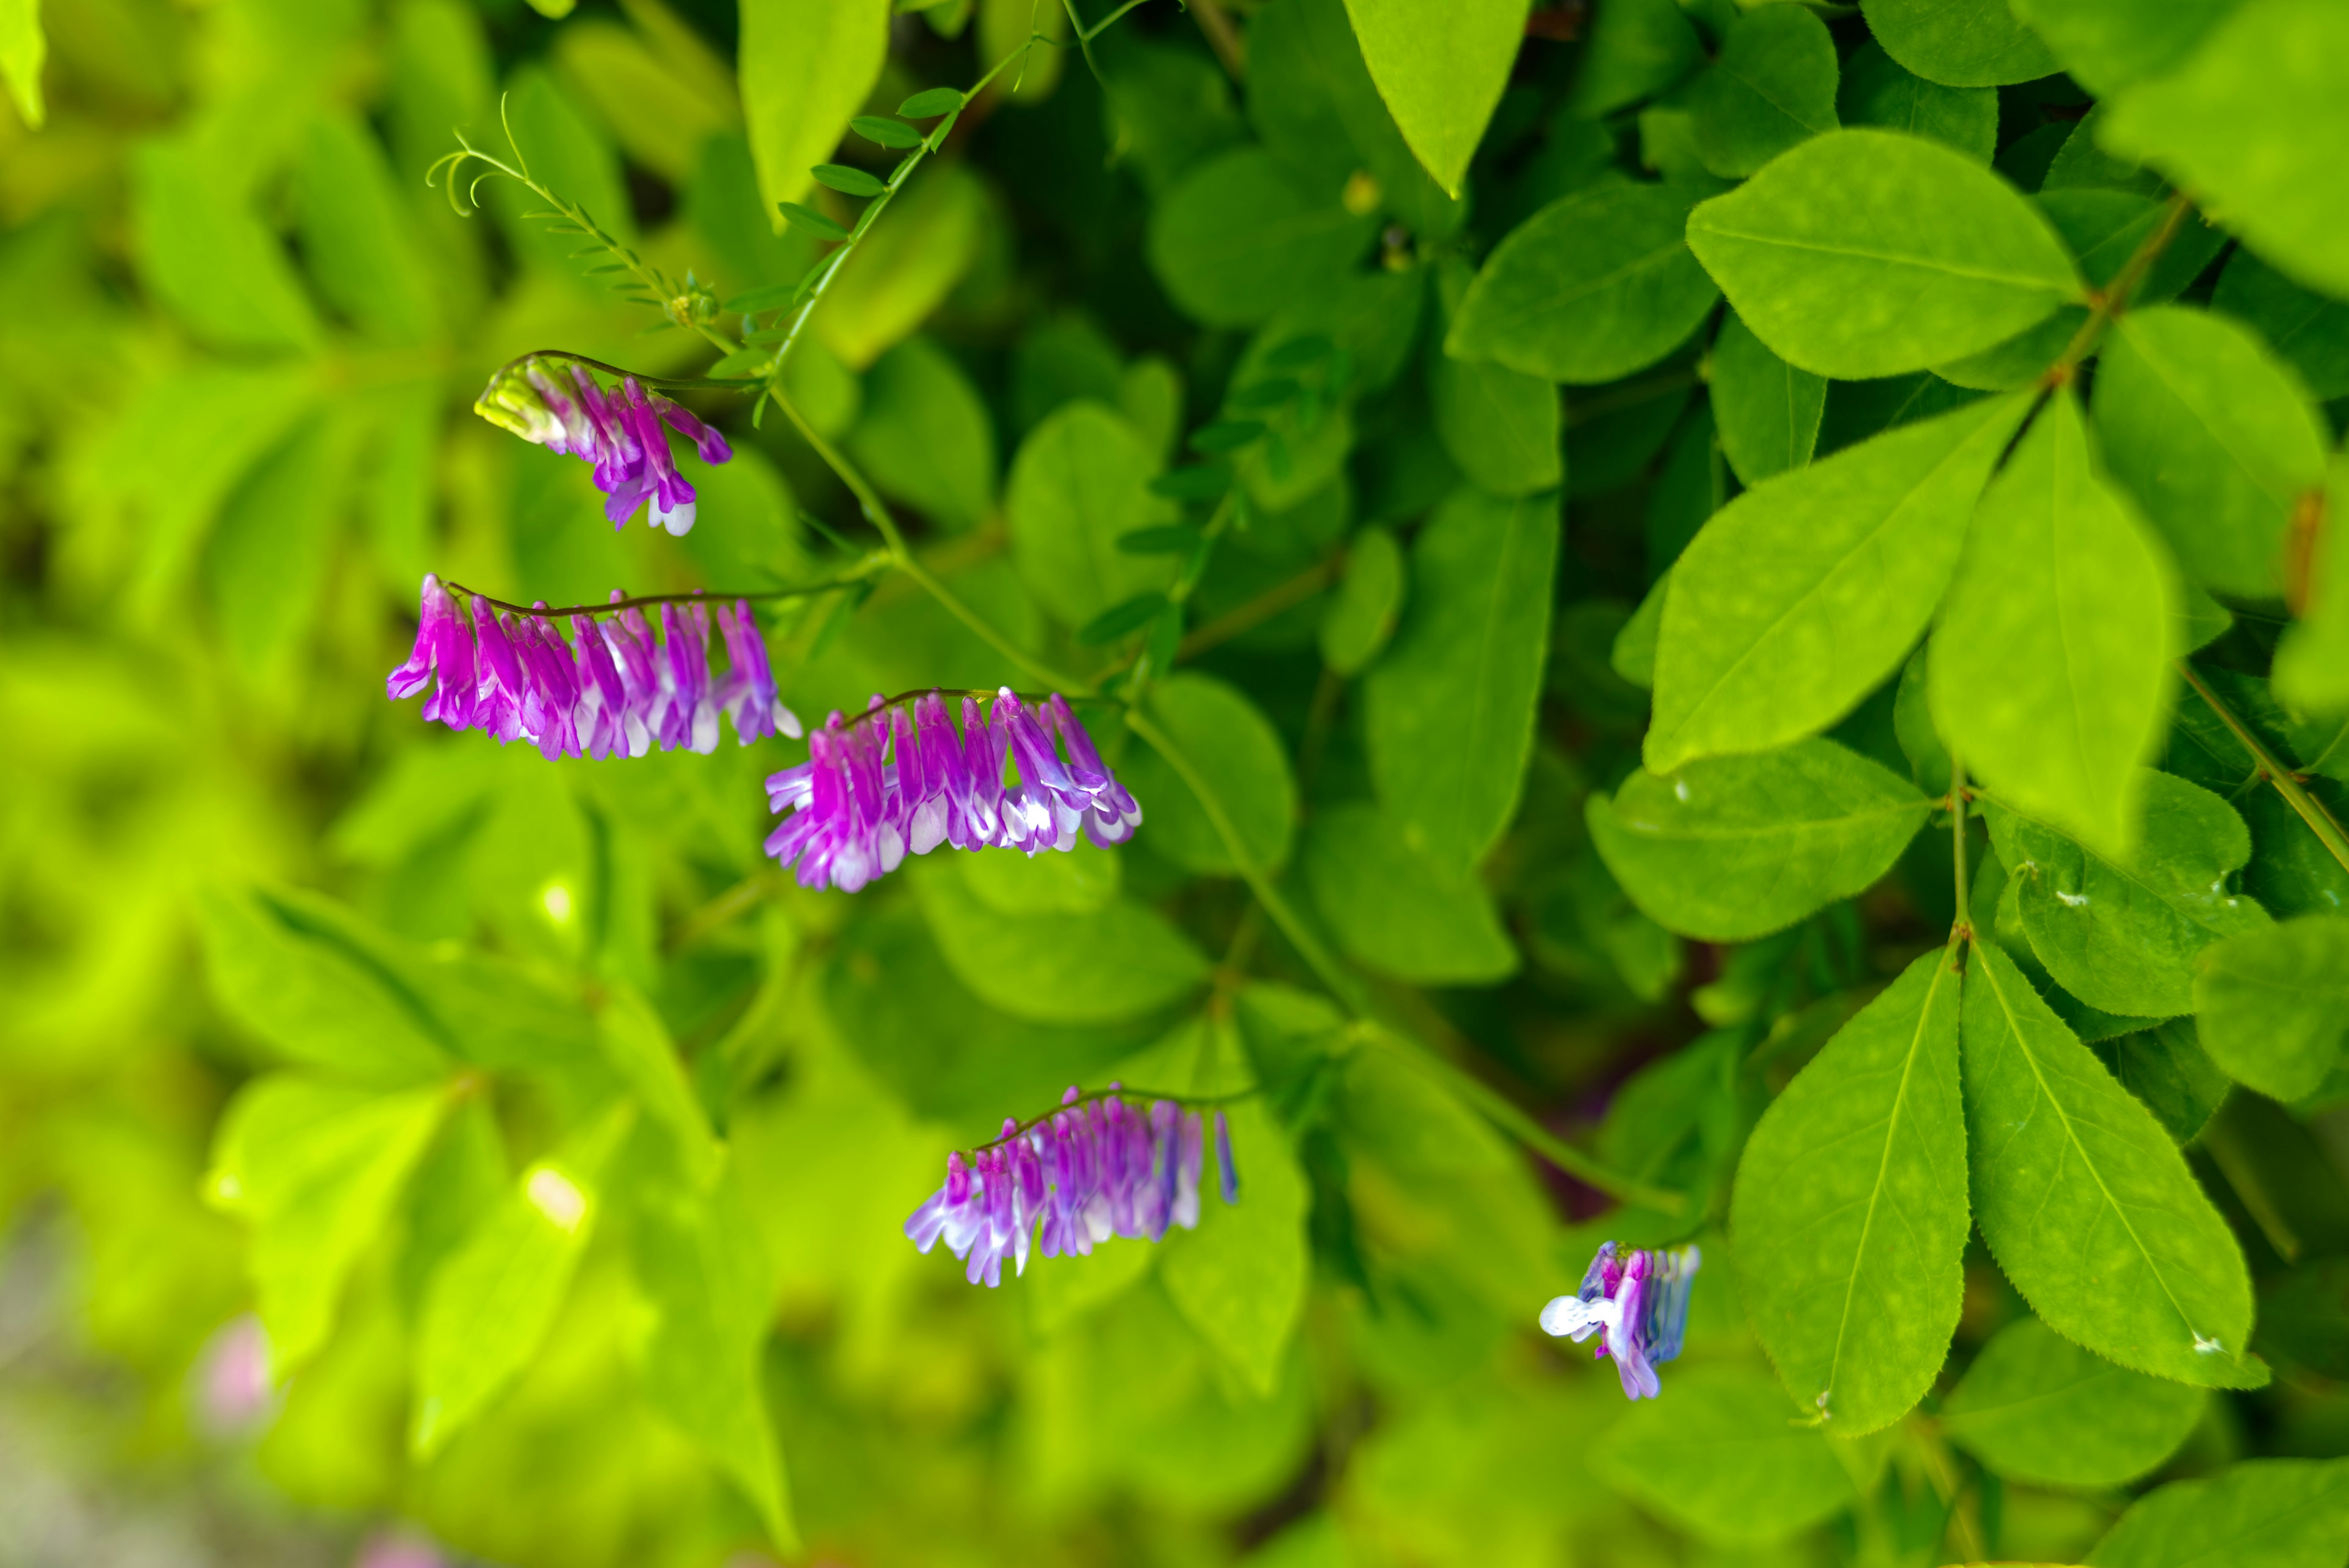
pixel 2109 303
pixel 2312 810
pixel 1963 925
pixel 1355 998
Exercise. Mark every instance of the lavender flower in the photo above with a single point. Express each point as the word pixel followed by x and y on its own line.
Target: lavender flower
pixel 896 782
pixel 613 690
pixel 618 433
pixel 1640 1302
pixel 1101 1166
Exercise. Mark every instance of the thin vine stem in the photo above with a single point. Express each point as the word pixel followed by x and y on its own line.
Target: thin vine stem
pixel 1494 1106
pixel 672 304
pixel 876 512
pixel 1022 1129
pixel 804 590
pixel 680 383
pixel 832 263
pixel 1964 925
pixel 2312 810
pixel 2113 299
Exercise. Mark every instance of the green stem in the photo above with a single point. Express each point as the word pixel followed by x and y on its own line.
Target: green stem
pixel 2114 299
pixel 1350 991
pixel 877 511
pixel 2312 810
pixel 1261 609
pixel 1964 923
pixel 872 214
pixel 805 590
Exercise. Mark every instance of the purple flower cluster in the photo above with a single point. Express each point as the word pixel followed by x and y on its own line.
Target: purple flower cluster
pixel 896 781
pixel 613 690
pixel 1641 1305
pixel 619 433
pixel 1094 1169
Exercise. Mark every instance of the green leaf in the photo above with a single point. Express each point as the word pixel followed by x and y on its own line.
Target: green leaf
pixel 1441 66
pixel 2304 1316
pixel 2214 439
pixel 847 181
pixel 2166 1067
pixel 269 550
pixel 806 67
pixel 492 1302
pixel 1245 762
pixel 1118 962
pixel 1312 102
pixel 2050 684
pixel 636 1043
pixel 358 242
pixel 2120 932
pixel 1850 1213
pixel 1240 1279
pixel 1736 848
pixel 1362 612
pixel 2310 331
pixel 1450 709
pixel 2248 123
pixel 1081 483
pixel 314 1169
pixel 1767 411
pixel 808 220
pixel 571 153
pixel 1128 616
pixel 1633 655
pixel 882 132
pixel 1595 285
pixel 924 435
pixel 1801 596
pixel 1501 426
pixel 1721 1455
pixel 2109 45
pixel 1864 252
pixel 282 967
pixel 1397 910
pixel 2035 1408
pixel 1236 240
pixel 1166 539
pixel 903 270
pixel 1772 87
pixel 931 102
pixel 1636 49
pixel 2274 1004
pixel 1958 42
pixel 206 254
pixel 2086 1202
pixel 1877 90
pixel 2257 1513
pixel 710 1287
pixel 23 48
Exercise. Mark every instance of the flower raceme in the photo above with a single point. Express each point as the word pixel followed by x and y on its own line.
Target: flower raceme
pixel 1638 1303
pixel 900 780
pixel 618 433
pixel 612 690
pixel 1100 1165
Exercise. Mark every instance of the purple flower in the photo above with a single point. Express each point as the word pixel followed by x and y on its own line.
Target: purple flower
pixel 613 690
pixel 895 782
pixel 619 433
pixel 1101 1166
pixel 1639 1303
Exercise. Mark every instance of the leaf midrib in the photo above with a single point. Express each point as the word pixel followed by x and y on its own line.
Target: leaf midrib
pixel 2015 1027
pixel 2033 283
pixel 1867 1224
pixel 1764 834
